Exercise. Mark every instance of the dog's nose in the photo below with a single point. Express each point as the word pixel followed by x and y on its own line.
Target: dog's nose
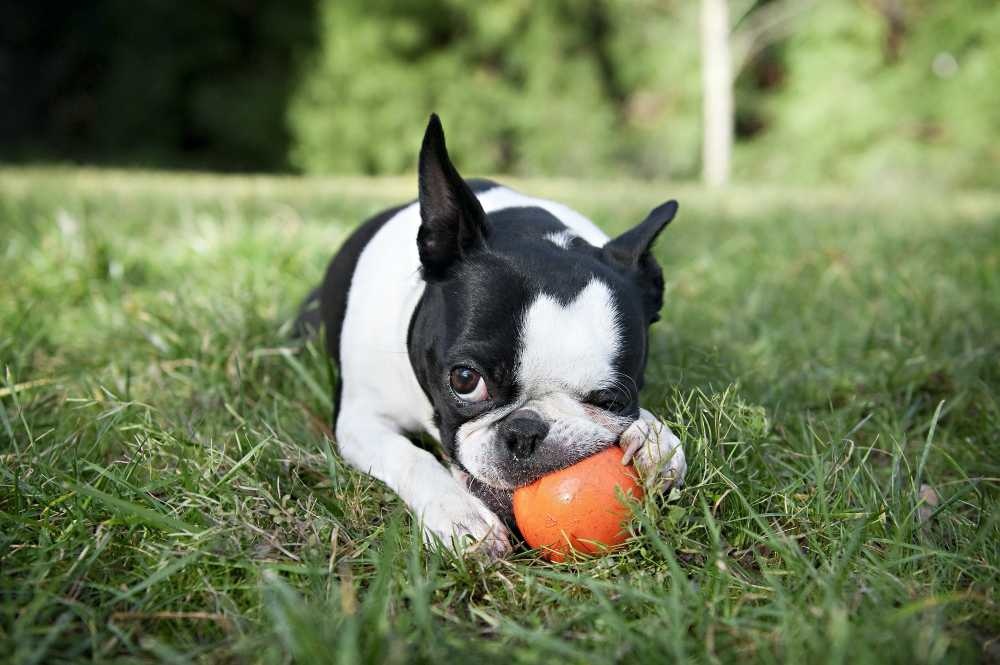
pixel 522 433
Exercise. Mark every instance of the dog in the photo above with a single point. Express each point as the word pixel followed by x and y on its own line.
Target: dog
pixel 510 329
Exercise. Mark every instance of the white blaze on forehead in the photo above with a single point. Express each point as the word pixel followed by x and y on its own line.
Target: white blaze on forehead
pixel 571 347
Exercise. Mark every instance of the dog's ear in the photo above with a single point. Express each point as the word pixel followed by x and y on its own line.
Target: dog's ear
pixel 452 221
pixel 630 254
pixel 627 250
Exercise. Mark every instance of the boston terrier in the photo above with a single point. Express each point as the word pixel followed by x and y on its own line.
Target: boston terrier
pixel 510 329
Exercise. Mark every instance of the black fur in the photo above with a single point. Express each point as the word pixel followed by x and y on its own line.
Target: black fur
pixel 630 253
pixel 453 222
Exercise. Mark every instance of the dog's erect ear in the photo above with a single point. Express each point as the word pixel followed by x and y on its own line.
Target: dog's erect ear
pixel 626 250
pixel 452 221
pixel 630 254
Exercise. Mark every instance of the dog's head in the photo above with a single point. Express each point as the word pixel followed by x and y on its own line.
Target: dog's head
pixel 531 349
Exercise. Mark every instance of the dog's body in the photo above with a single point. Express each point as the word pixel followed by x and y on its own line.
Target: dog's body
pixel 509 328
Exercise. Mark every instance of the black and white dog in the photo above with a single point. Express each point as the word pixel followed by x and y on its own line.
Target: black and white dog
pixel 509 328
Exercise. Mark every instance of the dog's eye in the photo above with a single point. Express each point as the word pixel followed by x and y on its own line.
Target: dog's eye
pixel 468 384
pixel 607 401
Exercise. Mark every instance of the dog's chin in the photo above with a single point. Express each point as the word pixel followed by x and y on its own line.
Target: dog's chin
pixel 495 479
pixel 508 475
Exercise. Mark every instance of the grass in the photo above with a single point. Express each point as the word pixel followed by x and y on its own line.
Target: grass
pixel 168 493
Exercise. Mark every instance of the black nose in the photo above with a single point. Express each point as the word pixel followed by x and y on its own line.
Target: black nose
pixel 522 432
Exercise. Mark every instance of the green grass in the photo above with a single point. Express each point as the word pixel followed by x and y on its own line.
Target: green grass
pixel 831 360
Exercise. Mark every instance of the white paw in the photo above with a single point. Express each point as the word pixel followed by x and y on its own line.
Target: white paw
pixel 655 451
pixel 464 523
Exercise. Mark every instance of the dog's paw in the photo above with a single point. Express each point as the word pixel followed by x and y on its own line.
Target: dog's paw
pixel 655 451
pixel 463 523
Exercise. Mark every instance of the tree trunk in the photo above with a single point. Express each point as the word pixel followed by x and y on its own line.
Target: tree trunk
pixel 717 92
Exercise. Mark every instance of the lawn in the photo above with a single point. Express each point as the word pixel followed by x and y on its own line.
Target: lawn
pixel 169 493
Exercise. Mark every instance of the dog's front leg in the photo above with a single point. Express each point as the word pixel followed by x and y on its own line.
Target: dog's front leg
pixel 656 452
pixel 446 509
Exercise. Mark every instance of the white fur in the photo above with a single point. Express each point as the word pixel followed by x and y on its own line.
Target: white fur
pixel 656 451
pixel 385 288
pixel 570 348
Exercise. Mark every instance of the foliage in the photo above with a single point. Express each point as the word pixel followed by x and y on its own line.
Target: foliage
pixel 561 87
pixel 510 78
pixel 861 115
pixel 613 86
pixel 851 91
pixel 168 493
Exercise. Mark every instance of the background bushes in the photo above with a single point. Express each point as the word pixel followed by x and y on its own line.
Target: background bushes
pixel 845 90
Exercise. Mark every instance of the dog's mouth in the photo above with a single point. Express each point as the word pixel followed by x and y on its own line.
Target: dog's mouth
pixel 490 448
pixel 504 472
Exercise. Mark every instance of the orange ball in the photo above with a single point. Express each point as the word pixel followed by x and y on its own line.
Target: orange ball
pixel 577 507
